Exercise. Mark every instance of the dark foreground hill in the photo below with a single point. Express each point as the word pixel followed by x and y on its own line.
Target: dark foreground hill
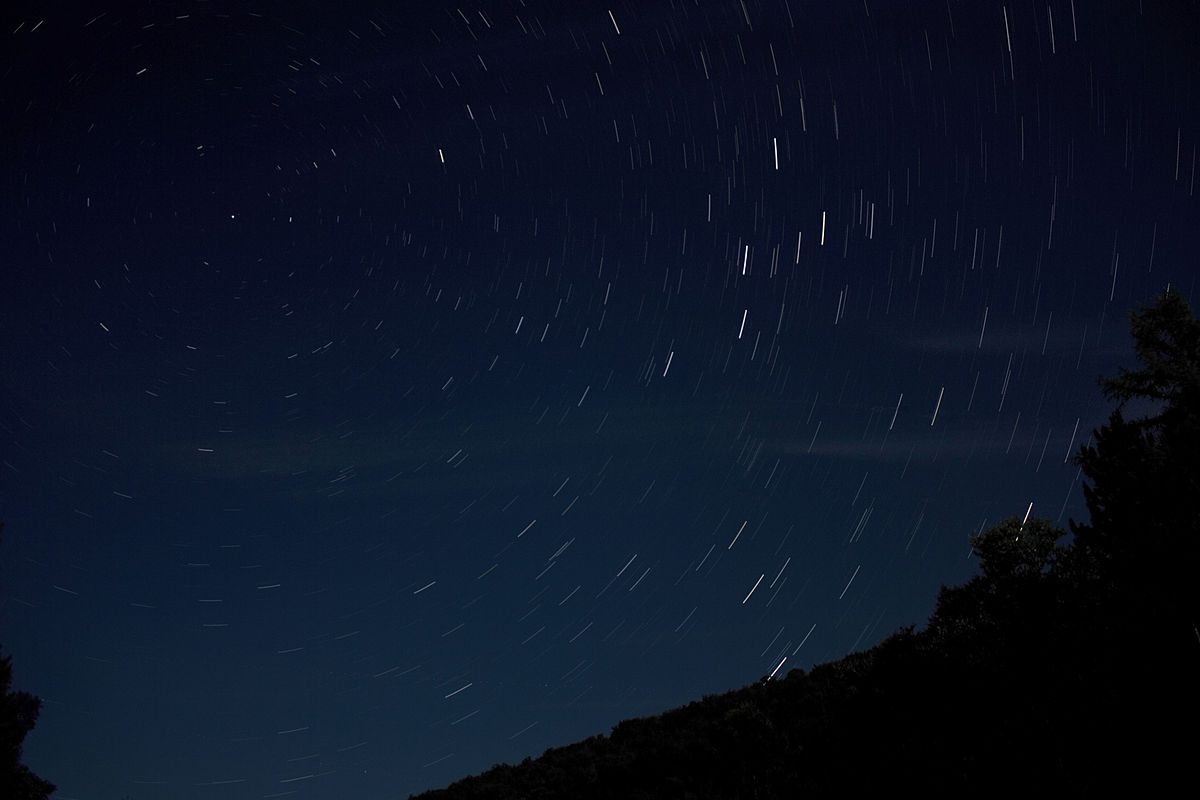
pixel 1062 667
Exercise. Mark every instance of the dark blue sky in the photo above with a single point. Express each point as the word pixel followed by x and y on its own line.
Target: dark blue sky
pixel 387 394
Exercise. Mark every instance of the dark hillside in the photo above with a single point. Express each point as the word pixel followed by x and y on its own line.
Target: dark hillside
pixel 1067 664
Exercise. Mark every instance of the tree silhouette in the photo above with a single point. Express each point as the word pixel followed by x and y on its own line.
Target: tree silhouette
pixel 18 714
pixel 1143 540
pixel 1166 338
pixel 1138 559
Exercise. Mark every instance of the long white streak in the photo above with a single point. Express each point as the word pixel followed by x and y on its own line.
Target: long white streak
pixel 756 583
pixel 1067 457
pixel 814 439
pixel 639 580
pixel 852 577
pixel 939 405
pixel 736 535
pixel 614 22
pixel 523 730
pixel 805 639
pixel 897 411
pixel 781 569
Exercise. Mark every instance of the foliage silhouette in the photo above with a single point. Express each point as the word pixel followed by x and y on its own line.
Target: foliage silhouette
pixel 1144 535
pixel 18 714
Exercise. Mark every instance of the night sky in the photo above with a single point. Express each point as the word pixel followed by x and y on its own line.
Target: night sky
pixel 391 392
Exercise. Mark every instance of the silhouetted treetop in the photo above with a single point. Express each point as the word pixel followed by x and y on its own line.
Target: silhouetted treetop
pixel 1166 338
pixel 1016 549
